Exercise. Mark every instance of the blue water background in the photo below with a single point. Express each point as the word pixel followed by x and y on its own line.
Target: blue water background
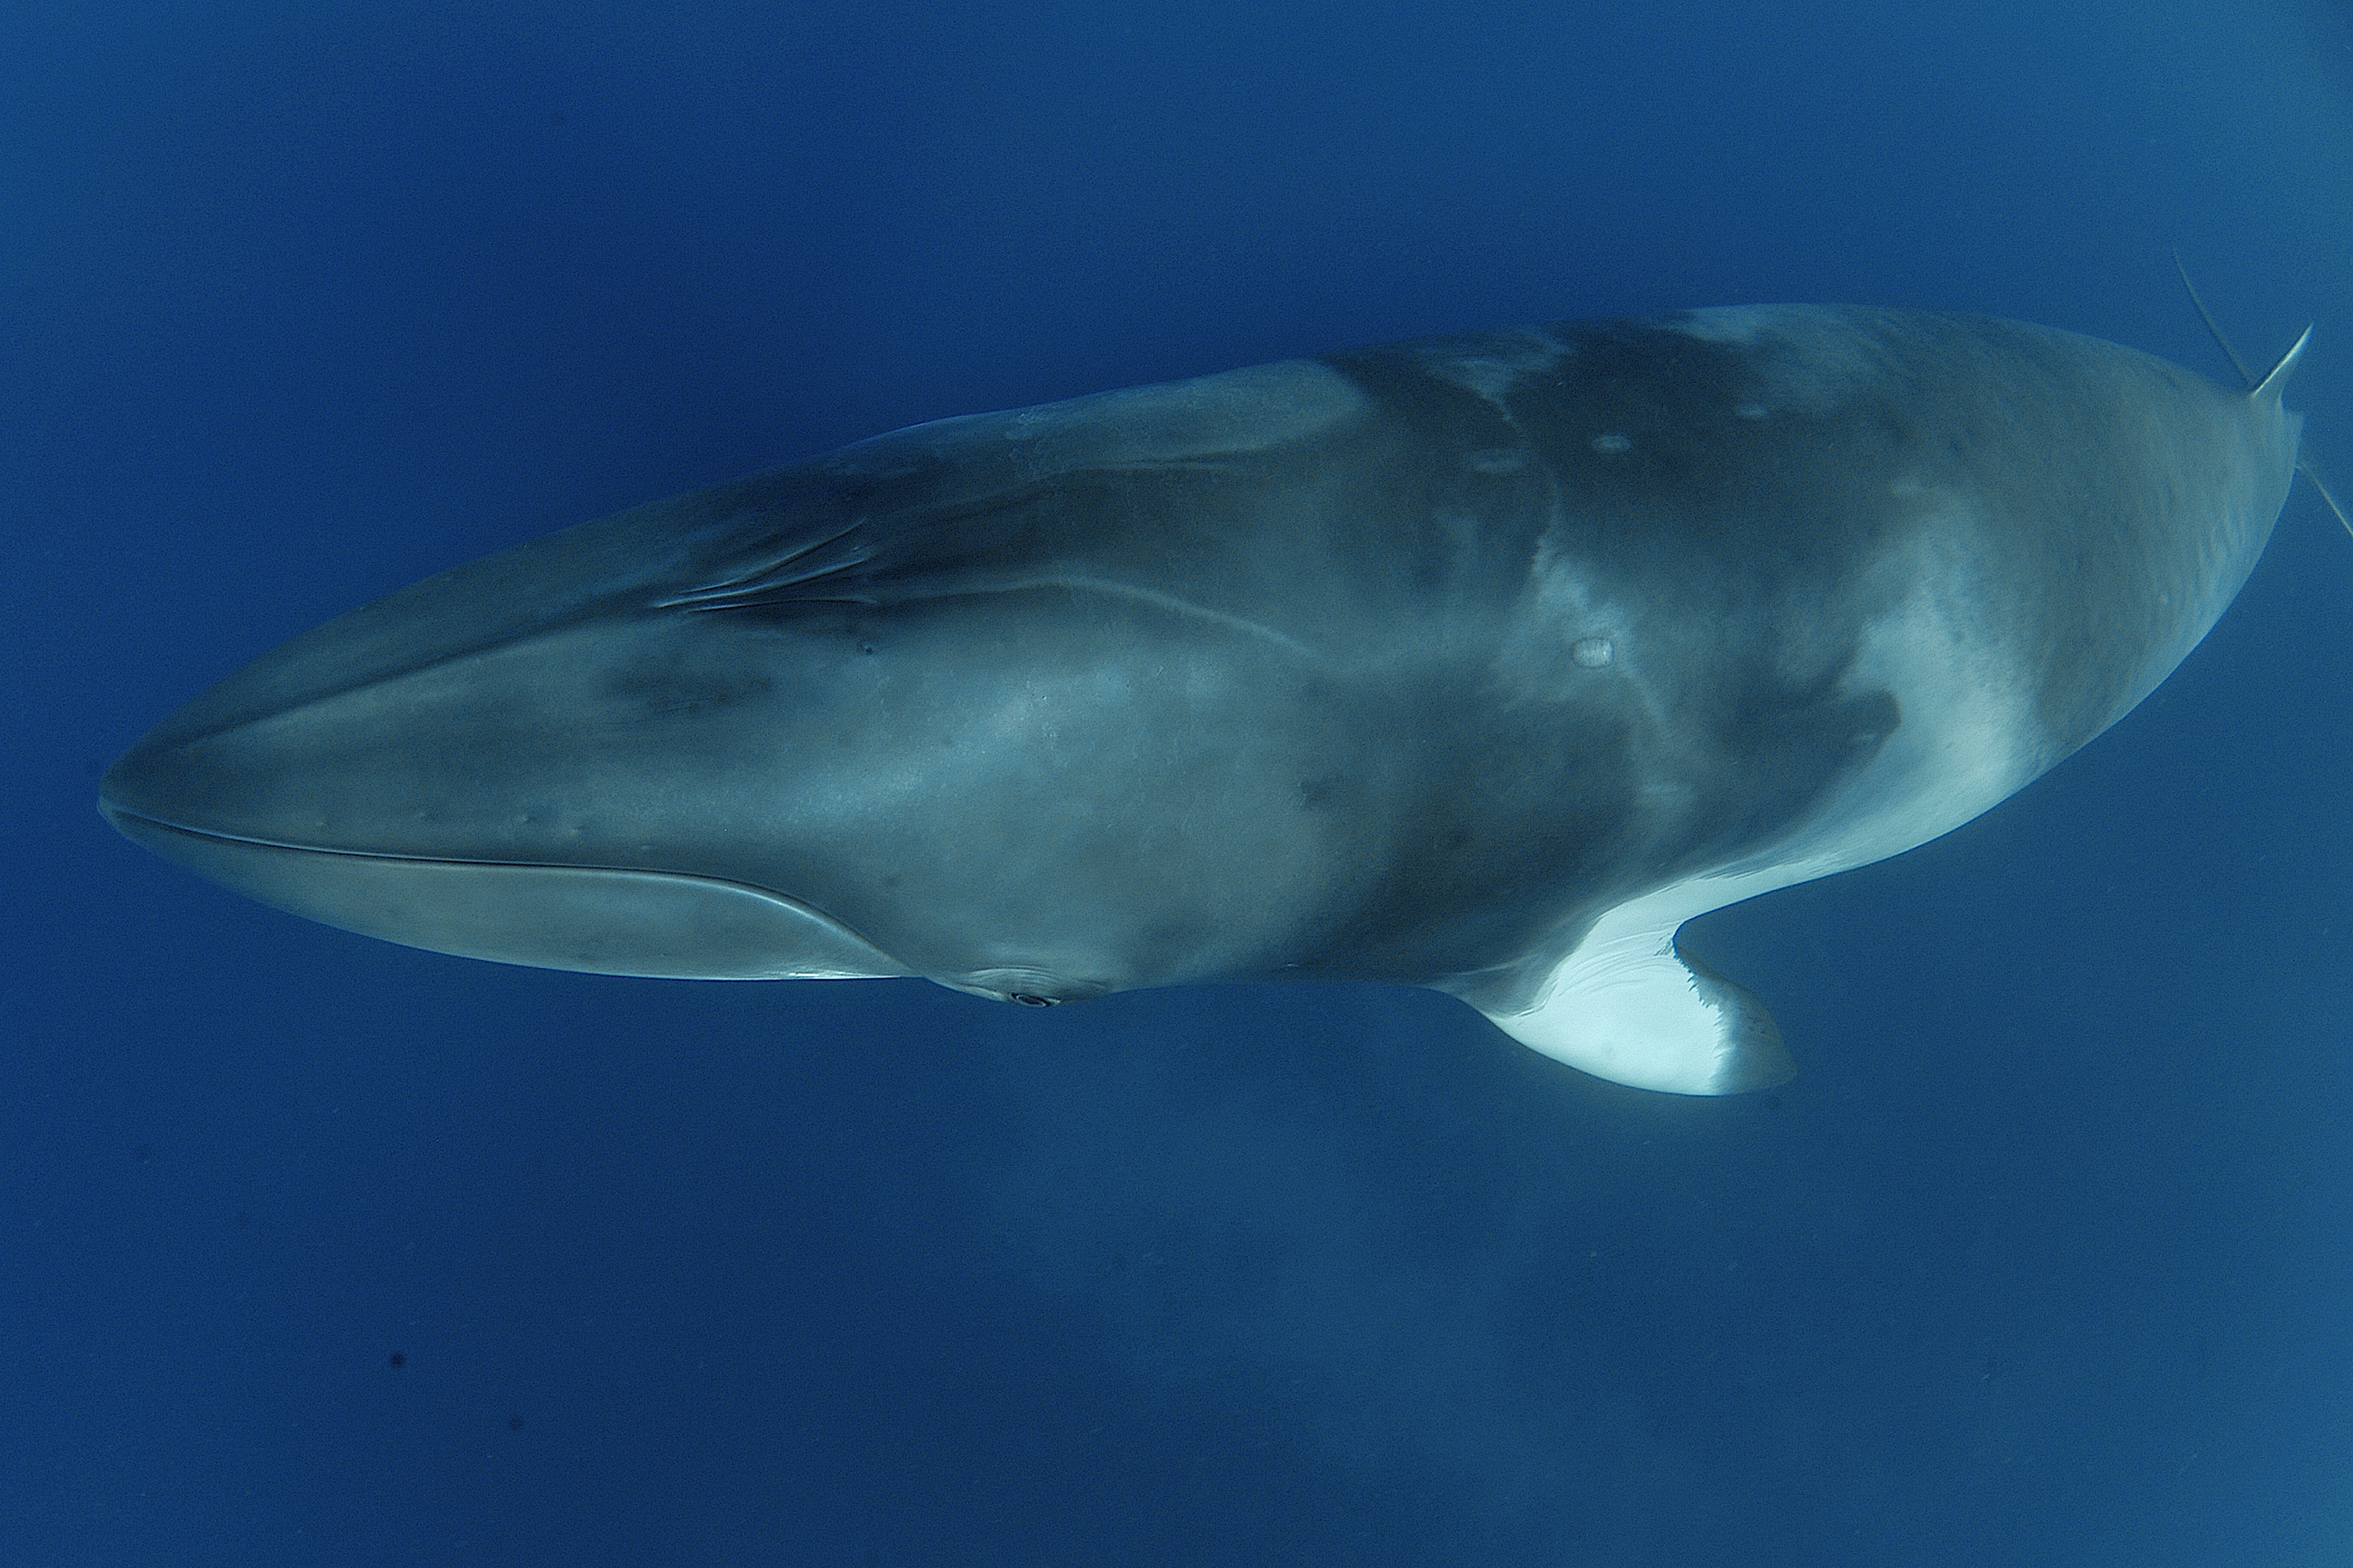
pixel 2046 1258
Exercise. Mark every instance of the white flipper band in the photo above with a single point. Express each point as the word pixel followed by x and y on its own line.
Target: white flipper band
pixel 1628 1007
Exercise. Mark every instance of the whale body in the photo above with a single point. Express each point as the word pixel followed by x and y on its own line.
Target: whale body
pixel 1479 662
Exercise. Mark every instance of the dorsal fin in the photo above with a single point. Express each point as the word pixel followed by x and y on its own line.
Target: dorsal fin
pixel 2269 386
pixel 2268 390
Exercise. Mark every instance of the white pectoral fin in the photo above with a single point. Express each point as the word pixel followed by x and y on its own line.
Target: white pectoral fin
pixel 1628 1007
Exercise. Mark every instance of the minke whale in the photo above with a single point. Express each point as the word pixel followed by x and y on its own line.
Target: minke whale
pixel 1479 663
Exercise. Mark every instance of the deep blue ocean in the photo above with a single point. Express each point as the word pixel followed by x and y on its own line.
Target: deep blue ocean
pixel 318 1250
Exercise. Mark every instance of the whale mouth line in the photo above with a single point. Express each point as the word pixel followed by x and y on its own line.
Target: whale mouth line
pixel 118 815
pixel 610 920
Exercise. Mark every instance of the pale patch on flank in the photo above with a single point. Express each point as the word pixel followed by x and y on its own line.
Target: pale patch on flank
pixel 1506 359
pixel 1812 358
pixel 1622 1005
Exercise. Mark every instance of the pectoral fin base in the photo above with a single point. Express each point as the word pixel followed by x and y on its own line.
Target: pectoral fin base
pixel 1633 1010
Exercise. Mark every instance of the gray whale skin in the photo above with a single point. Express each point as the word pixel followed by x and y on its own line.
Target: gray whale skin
pixel 1478 662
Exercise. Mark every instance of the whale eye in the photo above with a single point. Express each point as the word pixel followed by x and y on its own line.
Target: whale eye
pixel 1026 1000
